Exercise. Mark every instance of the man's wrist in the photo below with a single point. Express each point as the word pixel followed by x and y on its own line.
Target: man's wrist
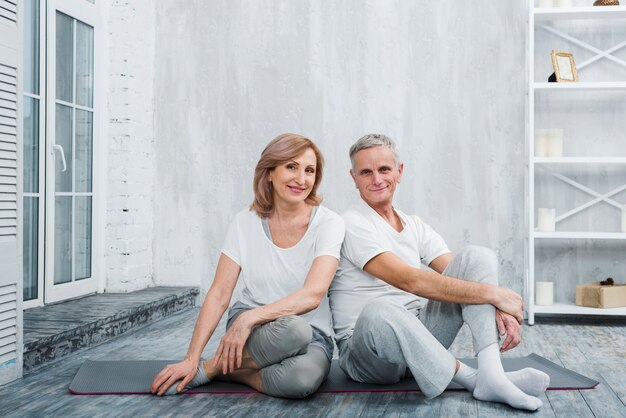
pixel 491 294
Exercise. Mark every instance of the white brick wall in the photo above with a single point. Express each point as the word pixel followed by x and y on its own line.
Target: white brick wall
pixel 129 222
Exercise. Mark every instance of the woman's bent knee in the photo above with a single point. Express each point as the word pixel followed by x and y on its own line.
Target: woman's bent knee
pixel 277 340
pixel 303 382
pixel 297 377
pixel 294 331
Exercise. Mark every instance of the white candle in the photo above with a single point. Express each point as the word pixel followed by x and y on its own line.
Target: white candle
pixel 546 3
pixel 564 3
pixel 544 293
pixel 546 220
pixel 541 142
pixel 624 218
pixel 555 143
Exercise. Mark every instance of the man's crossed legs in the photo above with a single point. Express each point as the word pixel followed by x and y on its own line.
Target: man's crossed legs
pixel 388 339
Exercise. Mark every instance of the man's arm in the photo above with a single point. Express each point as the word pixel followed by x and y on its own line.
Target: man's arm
pixel 440 263
pixel 507 324
pixel 392 269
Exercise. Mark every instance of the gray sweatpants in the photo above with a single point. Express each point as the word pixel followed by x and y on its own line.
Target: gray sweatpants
pixel 388 338
pixel 291 367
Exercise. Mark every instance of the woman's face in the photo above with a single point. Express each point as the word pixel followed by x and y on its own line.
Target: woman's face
pixel 293 180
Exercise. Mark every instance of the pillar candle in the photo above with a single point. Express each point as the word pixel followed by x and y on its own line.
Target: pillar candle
pixel 544 293
pixel 541 142
pixel 555 143
pixel 563 3
pixel 546 3
pixel 546 219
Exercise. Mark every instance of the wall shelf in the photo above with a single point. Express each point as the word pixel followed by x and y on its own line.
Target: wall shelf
pixel 549 26
pixel 577 13
pixel 581 85
pixel 579 160
pixel 563 308
pixel 580 235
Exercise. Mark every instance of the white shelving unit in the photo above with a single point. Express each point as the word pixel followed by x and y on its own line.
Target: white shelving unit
pixel 547 21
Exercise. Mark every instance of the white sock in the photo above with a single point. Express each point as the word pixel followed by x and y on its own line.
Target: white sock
pixel 531 381
pixel 466 377
pixel 492 384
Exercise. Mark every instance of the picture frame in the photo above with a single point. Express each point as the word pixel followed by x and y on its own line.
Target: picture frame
pixel 564 66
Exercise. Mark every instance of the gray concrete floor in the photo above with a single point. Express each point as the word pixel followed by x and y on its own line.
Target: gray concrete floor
pixel 594 348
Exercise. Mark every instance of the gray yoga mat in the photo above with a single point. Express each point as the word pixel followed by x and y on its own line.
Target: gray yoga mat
pixel 135 377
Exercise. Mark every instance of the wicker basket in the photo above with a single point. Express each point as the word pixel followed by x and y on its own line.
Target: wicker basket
pixel 606 3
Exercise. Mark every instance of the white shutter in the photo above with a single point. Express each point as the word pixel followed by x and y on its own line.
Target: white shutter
pixel 10 194
pixel 8 325
pixel 8 152
pixel 8 10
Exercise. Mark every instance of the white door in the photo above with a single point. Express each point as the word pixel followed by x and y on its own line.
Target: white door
pixel 70 138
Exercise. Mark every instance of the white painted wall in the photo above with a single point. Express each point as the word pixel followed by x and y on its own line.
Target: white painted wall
pixel 445 79
pixel 131 164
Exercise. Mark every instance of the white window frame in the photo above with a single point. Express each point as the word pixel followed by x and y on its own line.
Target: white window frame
pixel 90 14
pixel 41 194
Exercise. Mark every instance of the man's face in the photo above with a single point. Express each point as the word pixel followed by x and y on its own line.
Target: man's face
pixel 376 175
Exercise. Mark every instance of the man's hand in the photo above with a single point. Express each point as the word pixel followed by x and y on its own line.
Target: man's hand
pixel 508 325
pixel 509 302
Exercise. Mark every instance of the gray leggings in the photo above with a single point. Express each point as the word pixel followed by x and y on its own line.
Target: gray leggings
pixel 291 367
pixel 388 338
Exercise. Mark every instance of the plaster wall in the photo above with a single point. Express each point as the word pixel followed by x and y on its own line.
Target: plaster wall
pixel 445 79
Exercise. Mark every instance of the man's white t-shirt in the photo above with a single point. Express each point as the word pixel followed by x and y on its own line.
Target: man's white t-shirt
pixel 269 273
pixel 368 235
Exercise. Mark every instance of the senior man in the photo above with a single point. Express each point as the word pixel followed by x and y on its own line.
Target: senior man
pixel 391 314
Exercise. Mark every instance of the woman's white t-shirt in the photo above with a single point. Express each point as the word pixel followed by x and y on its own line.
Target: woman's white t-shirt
pixel 269 273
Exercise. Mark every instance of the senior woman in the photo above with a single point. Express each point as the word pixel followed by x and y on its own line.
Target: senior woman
pixel 285 250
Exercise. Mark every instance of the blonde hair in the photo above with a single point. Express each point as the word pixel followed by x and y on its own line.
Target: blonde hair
pixel 280 150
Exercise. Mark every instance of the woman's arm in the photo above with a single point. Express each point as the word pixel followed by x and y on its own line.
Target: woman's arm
pixel 214 306
pixel 318 279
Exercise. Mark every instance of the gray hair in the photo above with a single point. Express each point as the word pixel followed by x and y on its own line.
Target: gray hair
pixel 371 141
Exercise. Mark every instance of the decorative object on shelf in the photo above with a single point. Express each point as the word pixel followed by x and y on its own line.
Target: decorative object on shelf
pixel 606 3
pixel 624 218
pixel 564 67
pixel 544 293
pixel 563 3
pixel 597 295
pixel 608 282
pixel 555 142
pixel 546 220
pixel 541 142
pixel 546 3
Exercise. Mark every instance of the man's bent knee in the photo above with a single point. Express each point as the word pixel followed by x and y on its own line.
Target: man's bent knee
pixel 377 310
pixel 482 259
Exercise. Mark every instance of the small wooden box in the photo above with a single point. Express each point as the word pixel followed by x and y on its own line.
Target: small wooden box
pixel 594 295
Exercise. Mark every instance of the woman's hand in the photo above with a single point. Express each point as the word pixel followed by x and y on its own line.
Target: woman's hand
pixel 185 370
pixel 230 350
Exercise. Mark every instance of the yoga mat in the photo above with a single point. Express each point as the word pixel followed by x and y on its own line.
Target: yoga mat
pixel 135 377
